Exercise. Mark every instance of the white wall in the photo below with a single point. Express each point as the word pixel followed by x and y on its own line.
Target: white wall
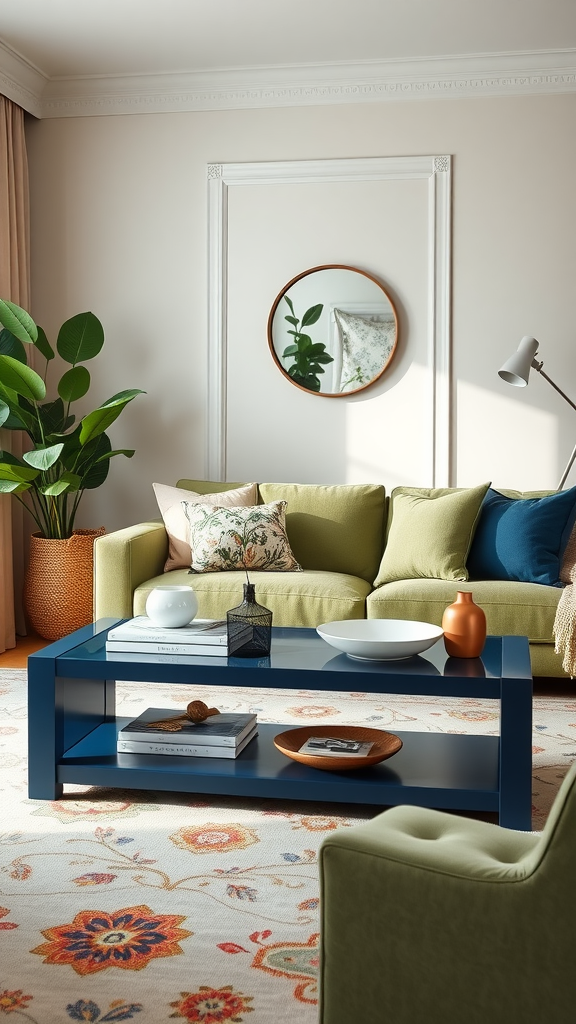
pixel 119 226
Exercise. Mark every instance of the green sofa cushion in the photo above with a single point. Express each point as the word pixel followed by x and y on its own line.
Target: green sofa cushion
pixel 335 528
pixel 295 599
pixel 512 609
pixel 430 531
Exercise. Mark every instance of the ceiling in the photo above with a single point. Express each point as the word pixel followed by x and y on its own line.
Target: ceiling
pixel 111 37
pixel 43 42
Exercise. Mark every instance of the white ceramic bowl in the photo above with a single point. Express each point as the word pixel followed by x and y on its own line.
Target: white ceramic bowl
pixel 170 607
pixel 380 639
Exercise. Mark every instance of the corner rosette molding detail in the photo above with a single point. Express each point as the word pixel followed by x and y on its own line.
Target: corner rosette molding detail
pixel 441 164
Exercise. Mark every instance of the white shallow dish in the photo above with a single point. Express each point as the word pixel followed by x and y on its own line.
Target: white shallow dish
pixel 380 639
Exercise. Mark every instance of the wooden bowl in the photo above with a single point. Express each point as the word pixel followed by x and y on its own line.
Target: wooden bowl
pixel 385 744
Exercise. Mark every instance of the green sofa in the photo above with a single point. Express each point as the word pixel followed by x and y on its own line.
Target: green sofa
pixel 338 535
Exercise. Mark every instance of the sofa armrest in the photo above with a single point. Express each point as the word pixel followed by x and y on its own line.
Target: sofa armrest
pixel 122 561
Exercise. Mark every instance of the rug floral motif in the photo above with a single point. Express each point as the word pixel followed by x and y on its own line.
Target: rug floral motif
pixel 118 905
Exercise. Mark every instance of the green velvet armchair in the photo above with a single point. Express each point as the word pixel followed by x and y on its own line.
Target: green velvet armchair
pixel 429 918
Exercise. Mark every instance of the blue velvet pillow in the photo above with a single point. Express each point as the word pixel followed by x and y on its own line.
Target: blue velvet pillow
pixel 522 539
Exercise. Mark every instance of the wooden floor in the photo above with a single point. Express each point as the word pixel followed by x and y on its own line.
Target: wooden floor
pixel 17 657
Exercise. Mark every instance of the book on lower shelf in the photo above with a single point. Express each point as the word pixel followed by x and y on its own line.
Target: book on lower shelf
pixel 140 636
pixel 180 749
pixel 227 729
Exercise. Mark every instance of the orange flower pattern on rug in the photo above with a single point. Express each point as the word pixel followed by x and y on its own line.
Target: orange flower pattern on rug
pixel 212 1005
pixel 293 960
pixel 287 959
pixel 253 905
pixel 212 838
pixel 129 938
pixel 11 1002
pixel 6 925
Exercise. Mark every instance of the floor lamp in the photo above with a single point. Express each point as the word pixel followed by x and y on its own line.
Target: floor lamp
pixel 516 371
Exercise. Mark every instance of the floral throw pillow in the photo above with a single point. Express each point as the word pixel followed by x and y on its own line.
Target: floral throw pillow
pixel 223 539
pixel 170 504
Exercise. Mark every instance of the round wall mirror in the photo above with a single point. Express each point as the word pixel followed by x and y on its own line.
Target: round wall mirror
pixel 333 330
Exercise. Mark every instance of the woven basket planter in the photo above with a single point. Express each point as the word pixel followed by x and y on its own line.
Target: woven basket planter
pixel 58 583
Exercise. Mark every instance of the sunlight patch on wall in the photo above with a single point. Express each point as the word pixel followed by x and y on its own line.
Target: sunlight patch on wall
pixel 511 443
pixel 389 438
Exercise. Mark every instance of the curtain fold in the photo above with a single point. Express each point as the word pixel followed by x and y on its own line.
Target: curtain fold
pixel 14 286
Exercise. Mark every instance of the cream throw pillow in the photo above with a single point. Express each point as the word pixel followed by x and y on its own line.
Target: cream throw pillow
pixel 224 539
pixel 169 502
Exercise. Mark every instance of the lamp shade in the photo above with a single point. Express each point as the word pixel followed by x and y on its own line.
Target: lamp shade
pixel 516 370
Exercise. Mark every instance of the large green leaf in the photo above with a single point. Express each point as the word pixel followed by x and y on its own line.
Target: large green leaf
pixel 88 464
pixel 290 306
pixel 312 315
pixel 10 345
pixel 43 458
pixel 98 421
pixel 68 482
pixel 15 471
pixel 4 412
pixel 52 417
pixel 80 338
pixel 13 487
pixel 19 418
pixel 98 472
pixel 74 384
pixel 18 321
pixel 22 379
pixel 44 346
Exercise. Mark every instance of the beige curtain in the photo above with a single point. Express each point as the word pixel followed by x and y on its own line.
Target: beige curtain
pixel 15 286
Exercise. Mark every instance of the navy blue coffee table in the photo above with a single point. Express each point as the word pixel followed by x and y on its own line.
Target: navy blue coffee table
pixel 73 725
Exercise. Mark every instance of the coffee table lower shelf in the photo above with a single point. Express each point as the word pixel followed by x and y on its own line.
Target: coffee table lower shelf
pixel 449 771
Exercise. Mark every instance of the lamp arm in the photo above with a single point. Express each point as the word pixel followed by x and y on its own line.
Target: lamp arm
pixel 538 367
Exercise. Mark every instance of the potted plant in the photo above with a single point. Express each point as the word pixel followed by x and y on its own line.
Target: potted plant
pixel 67 456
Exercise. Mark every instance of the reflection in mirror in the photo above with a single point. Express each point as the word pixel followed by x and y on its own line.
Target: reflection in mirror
pixel 333 330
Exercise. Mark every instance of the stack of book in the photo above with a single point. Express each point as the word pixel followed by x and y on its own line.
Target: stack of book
pixel 223 735
pixel 139 636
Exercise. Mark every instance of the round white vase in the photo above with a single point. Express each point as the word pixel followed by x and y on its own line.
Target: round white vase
pixel 171 607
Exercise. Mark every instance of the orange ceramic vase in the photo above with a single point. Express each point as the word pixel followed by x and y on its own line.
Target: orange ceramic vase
pixel 464 625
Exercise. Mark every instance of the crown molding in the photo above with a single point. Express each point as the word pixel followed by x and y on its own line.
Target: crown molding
pixel 500 74
pixel 21 81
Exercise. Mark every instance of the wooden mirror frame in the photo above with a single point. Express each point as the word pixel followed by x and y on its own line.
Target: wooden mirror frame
pixel 276 303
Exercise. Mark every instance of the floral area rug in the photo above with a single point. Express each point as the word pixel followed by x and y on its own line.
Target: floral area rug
pixel 116 905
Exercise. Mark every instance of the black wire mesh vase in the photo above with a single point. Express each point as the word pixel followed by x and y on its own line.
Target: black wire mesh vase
pixel 249 627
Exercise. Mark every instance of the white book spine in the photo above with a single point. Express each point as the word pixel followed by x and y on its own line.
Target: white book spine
pixel 149 647
pixel 172 739
pixel 137 631
pixel 180 750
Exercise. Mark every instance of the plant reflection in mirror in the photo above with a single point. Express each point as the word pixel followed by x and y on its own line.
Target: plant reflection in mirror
pixel 309 357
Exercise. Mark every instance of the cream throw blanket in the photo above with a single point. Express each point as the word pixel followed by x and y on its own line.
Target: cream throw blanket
pixel 565 620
